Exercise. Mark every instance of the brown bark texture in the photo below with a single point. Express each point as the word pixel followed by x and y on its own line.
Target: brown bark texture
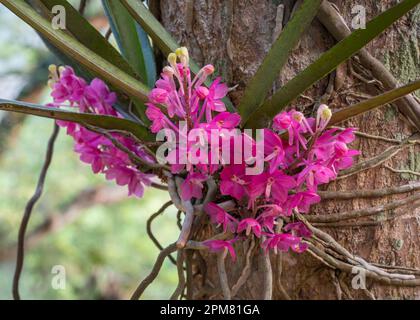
pixel 235 36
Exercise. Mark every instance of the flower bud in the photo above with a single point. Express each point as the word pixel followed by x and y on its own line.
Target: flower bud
pixel 208 69
pixel 158 96
pixel 52 68
pixel 202 92
pixel 53 74
pixel 323 117
pixel 172 59
pixel 51 83
pixel 324 112
pixel 168 71
pixel 297 116
pixel 183 55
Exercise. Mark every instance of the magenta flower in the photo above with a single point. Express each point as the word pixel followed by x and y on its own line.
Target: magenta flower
pixel 273 149
pixel 314 175
pixel 213 101
pixel 249 225
pixel 282 242
pixel 298 229
pixel 274 185
pixel 219 216
pixel 97 95
pixel 192 187
pixel 69 87
pixel 94 148
pixel 218 245
pixel 225 120
pixel 302 201
pixel 157 117
pixel 296 125
pixel 233 181
pixel 291 170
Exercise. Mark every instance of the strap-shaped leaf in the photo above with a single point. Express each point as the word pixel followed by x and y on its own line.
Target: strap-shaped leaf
pixel 373 103
pixel 326 64
pixel 100 121
pixel 92 61
pixel 132 40
pixel 161 38
pixel 91 38
pixel 276 58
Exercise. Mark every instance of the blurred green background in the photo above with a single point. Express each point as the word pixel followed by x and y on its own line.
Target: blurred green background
pixel 105 251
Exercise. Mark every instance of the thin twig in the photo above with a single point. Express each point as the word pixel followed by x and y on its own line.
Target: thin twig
pixel 326 241
pixel 224 284
pixel 56 220
pixel 374 193
pixel 371 136
pixel 334 263
pixel 173 192
pixel 188 220
pixel 108 33
pixel 336 25
pixel 246 271
pixel 267 275
pixel 403 171
pixel 155 271
pixel 363 212
pixel 373 162
pixel 149 227
pixel 181 276
pixel 28 210
pixel 82 6
pixel 159 186
pixel 189 271
pixel 279 264
pixel 369 223
pixel 133 156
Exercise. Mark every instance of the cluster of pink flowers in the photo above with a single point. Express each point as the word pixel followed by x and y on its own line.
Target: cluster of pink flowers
pixel 299 155
pixel 94 148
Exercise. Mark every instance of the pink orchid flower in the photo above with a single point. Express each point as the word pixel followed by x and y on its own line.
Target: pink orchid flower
pixel 274 185
pixel 296 125
pixel 225 120
pixel 273 150
pixel 213 101
pixel 219 216
pixel 249 225
pixel 233 181
pixel 69 87
pixel 192 187
pixel 219 245
pixel 314 175
pixel 302 201
pixel 298 229
pixel 280 241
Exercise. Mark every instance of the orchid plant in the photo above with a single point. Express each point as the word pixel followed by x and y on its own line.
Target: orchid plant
pixel 295 166
pixel 136 135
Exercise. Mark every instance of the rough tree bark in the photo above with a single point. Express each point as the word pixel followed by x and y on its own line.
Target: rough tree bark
pixel 235 36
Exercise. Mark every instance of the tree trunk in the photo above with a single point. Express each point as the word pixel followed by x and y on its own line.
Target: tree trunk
pixel 235 36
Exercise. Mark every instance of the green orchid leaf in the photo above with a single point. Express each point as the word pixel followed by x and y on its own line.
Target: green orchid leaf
pixel 91 38
pixel 276 58
pixel 373 103
pixel 161 38
pixel 328 62
pixel 100 121
pixel 132 41
pixel 89 59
